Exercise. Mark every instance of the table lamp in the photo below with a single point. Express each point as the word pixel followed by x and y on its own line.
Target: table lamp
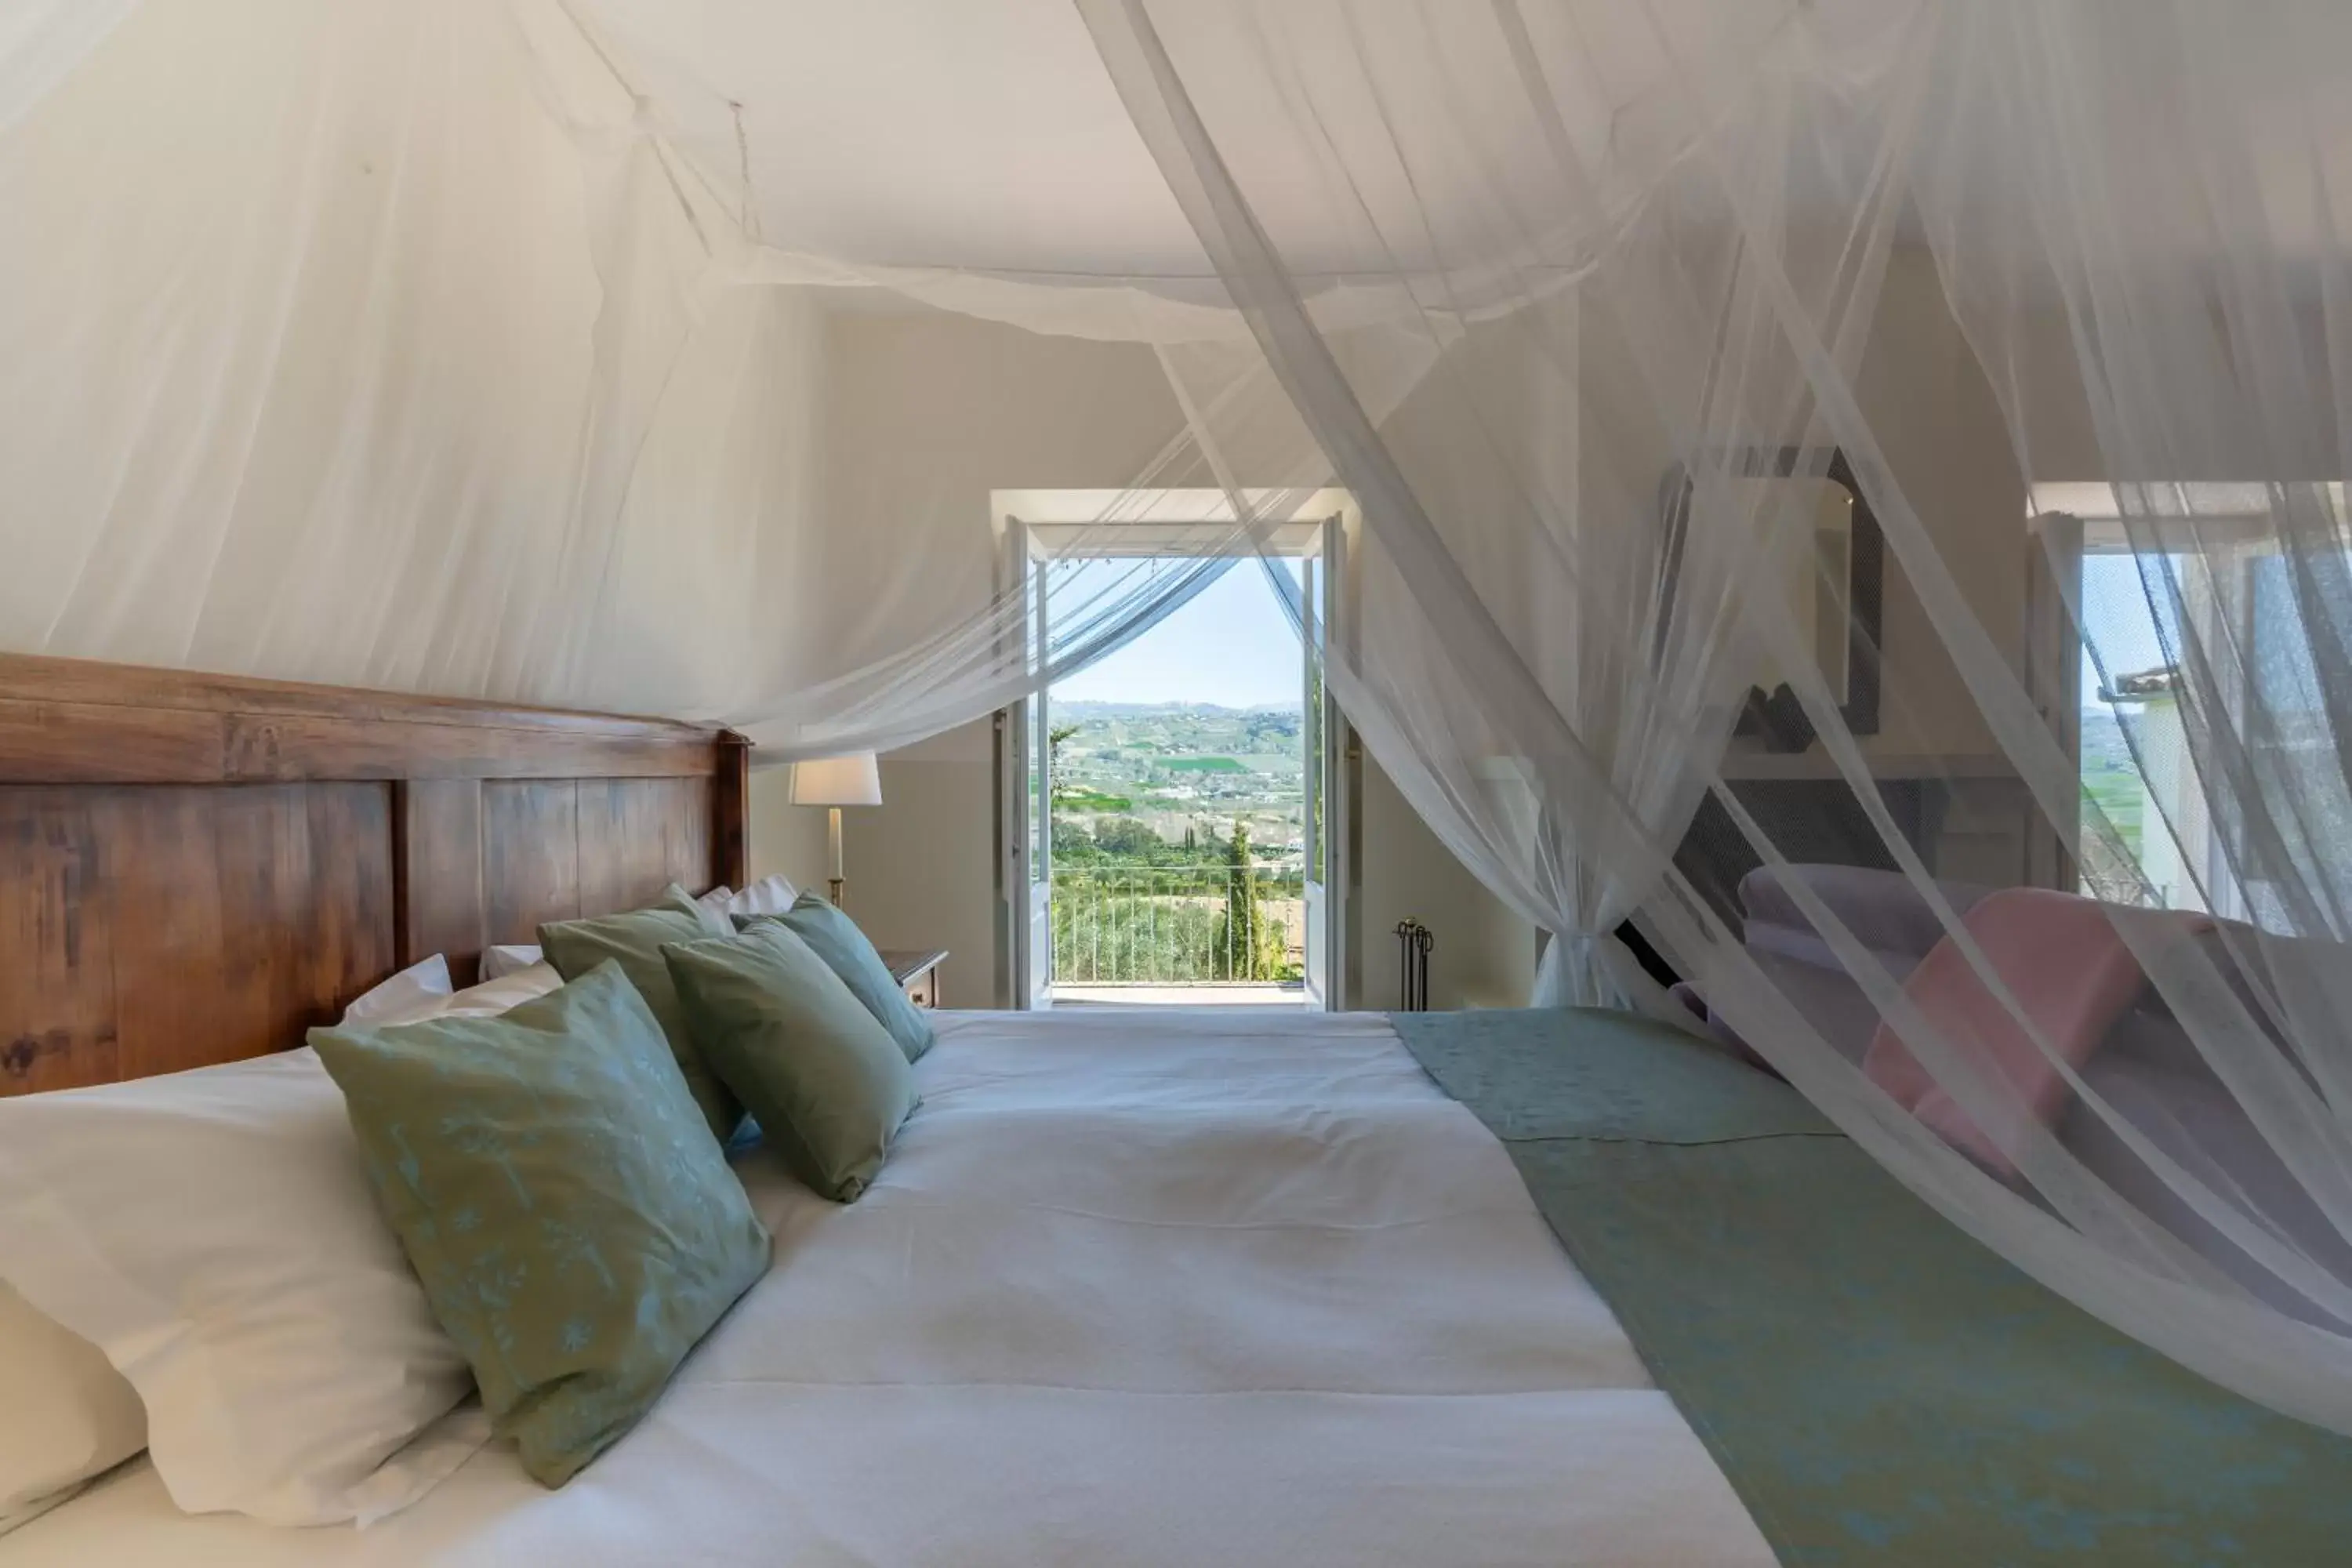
pixel 834 782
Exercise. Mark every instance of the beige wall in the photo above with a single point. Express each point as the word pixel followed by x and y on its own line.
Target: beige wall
pixel 1945 439
pixel 1941 431
pixel 924 416
pixel 922 865
pixel 785 839
pixel 1942 434
pixel 939 410
pixel 929 413
pixel 1484 955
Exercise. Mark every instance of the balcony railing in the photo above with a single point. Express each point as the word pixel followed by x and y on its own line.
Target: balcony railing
pixel 1178 925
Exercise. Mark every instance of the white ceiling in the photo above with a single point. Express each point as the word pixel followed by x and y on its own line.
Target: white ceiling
pixel 987 135
pixel 977 133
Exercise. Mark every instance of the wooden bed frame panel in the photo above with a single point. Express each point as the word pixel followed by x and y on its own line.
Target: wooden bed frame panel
pixel 195 868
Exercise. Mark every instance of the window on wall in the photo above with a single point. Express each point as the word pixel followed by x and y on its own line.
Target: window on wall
pixel 2197 700
pixel 2145 835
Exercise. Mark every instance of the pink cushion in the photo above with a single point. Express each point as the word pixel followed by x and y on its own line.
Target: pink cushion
pixel 2070 974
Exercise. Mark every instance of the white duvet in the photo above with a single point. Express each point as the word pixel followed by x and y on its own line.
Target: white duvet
pixel 1136 1287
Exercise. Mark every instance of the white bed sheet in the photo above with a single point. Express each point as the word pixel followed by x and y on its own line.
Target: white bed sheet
pixel 1136 1289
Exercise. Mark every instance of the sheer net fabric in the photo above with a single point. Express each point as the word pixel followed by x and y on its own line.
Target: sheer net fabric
pixel 493 351
pixel 1962 248
pixel 402 345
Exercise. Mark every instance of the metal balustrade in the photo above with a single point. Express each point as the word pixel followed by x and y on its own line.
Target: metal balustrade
pixel 1123 923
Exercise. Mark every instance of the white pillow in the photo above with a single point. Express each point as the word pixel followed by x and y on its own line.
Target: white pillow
pixel 717 900
pixel 65 1415
pixel 768 896
pixel 418 986
pixel 487 1000
pixel 214 1233
pixel 508 957
pixel 492 997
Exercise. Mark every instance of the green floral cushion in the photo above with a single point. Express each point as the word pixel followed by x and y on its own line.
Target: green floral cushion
pixel 558 1193
pixel 635 942
pixel 835 937
pixel 825 1082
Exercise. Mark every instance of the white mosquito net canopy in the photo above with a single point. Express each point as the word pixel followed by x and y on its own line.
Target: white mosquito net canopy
pixel 1854 488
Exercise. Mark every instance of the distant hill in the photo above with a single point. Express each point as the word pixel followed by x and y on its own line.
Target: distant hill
pixel 1084 710
pixel 1182 768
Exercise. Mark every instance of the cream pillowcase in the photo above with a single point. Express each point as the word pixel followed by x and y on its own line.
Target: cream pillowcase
pixel 65 1415
pixel 506 958
pixel 397 1001
pixel 513 989
pixel 768 896
pixel 422 990
pixel 420 986
pixel 771 895
pixel 212 1233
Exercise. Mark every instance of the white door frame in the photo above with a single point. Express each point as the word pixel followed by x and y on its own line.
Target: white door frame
pixel 1024 788
pixel 2054 593
pixel 2061 541
pixel 1037 776
pixel 1329 863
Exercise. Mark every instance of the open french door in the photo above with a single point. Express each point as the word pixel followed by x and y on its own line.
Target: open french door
pixel 1025 766
pixel 1321 737
pixel 1040 955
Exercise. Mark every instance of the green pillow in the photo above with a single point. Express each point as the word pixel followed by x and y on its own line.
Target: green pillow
pixel 826 1082
pixel 635 942
pixel 555 1187
pixel 835 937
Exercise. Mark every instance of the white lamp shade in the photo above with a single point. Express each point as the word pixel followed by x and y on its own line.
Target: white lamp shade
pixel 853 780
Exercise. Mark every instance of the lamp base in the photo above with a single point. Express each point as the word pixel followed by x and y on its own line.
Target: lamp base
pixel 836 885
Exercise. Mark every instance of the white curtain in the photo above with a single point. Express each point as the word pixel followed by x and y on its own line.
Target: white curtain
pixel 2107 232
pixel 514 351
pixel 399 345
pixel 1549 657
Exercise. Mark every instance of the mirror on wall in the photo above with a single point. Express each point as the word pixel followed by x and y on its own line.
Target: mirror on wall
pixel 1811 573
pixel 1831 575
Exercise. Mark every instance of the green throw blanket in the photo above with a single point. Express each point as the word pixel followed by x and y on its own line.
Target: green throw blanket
pixel 1879 1388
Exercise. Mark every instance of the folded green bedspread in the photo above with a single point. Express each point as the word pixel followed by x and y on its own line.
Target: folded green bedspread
pixel 1879 1388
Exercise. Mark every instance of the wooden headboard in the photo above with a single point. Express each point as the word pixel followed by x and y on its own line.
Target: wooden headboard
pixel 195 868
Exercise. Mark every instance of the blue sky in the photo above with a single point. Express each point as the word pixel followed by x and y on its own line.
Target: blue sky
pixel 1231 645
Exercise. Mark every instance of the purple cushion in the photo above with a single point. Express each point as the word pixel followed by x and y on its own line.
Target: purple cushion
pixel 1881 908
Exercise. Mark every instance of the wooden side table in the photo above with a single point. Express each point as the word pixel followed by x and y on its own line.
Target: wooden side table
pixel 917 971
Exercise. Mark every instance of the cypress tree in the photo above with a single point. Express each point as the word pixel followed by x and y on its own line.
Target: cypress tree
pixel 1242 932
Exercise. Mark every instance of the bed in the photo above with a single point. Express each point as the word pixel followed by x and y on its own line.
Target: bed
pixel 1136 1287
pixel 1161 1289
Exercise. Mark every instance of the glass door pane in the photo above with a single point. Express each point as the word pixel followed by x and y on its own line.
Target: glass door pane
pixel 1315 894
pixel 1040 818
pixel 2148 837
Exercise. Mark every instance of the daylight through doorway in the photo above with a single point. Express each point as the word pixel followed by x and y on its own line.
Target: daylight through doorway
pixel 1180 776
